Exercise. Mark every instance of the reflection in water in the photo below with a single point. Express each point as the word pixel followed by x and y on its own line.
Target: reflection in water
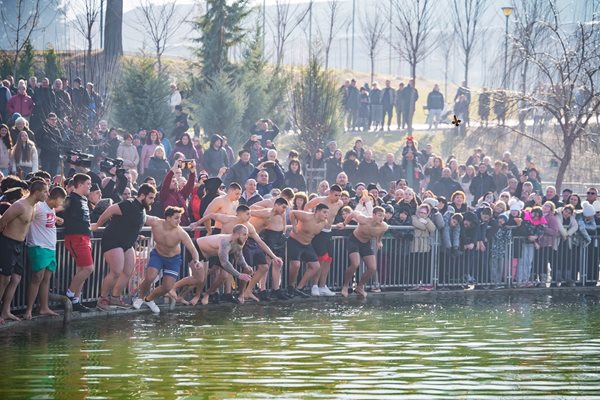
pixel 389 347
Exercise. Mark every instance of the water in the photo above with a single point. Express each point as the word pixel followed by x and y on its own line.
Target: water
pixel 449 346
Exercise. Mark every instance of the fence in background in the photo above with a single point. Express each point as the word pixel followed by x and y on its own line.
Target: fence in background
pixel 406 261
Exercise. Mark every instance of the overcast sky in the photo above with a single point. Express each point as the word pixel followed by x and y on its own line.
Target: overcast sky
pixel 131 4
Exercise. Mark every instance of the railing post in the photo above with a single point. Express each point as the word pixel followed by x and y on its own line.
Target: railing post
pixel 435 259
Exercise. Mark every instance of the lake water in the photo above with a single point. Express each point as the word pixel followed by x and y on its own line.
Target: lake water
pixel 476 345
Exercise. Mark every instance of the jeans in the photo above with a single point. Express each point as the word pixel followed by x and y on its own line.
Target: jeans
pixel 434 115
pixel 525 263
pixel 498 269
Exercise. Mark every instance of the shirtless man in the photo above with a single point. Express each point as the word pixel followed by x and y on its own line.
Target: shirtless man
pixel 305 226
pixel 14 225
pixel 270 224
pixel 286 193
pixel 323 243
pixel 226 204
pixel 165 257
pixel 254 249
pixel 222 246
pixel 359 245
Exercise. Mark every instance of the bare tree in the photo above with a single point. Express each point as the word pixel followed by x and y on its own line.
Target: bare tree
pixel 466 16
pixel 334 26
pixel 413 21
pixel 22 25
pixel 284 23
pixel 568 62
pixel 160 24
pixel 372 26
pixel 87 13
pixel 529 17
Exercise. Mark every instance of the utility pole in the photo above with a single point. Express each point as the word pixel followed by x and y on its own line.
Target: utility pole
pixel 390 55
pixel 101 24
pixel 353 21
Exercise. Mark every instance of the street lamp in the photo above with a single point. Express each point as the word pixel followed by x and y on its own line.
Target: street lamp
pixel 506 11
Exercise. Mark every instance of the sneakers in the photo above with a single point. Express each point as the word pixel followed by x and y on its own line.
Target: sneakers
pixel 81 308
pixel 117 302
pixel 152 306
pixel 281 295
pixel 137 303
pixel 300 293
pixel 103 304
pixel 324 291
pixel 263 295
pixel 314 291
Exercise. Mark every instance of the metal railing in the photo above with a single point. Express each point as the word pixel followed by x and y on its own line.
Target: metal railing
pixel 407 260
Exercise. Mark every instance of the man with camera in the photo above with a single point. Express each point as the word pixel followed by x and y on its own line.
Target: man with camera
pixel 115 183
pixel 126 221
pixel 175 194
pixel 265 129
pixel 262 177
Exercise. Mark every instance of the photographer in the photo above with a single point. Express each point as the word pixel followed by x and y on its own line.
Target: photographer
pixel 173 192
pixel 262 177
pixel 50 140
pixel 265 129
pixel 116 182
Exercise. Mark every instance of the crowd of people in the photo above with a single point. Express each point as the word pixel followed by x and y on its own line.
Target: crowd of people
pixel 255 213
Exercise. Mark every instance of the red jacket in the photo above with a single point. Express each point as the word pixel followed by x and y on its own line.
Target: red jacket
pixel 20 103
pixel 175 198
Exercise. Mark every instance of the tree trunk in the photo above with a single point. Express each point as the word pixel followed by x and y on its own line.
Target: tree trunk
pixel 372 69
pixel 467 59
pixel 113 31
pixel 564 164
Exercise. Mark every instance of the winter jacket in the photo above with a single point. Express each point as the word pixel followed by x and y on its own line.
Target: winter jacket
pixel 334 167
pixel 22 104
pixel 567 232
pixel 389 174
pixel 295 181
pixel 255 198
pixel 481 184
pixel 350 167
pixel 129 154
pixel 175 198
pixel 33 158
pixel 435 100
pixel 214 159
pixel 239 173
pixel 266 189
pixel 6 158
pixel 147 154
pixel 189 152
pixel 368 173
pixel 157 168
pixel 424 230
pixel 551 232
pixel 502 238
pixel 445 187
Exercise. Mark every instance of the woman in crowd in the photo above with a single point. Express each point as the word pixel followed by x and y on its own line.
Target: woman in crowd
pixel 421 245
pixel 21 124
pixel 433 170
pixel 6 144
pixel 350 166
pixel 548 242
pixel 465 182
pixel 300 200
pixel 454 172
pixel 25 155
pixel 294 178
pixel 575 201
pixel 128 153
pixel 152 142
pixel 185 146
pixel 334 166
pixel 158 166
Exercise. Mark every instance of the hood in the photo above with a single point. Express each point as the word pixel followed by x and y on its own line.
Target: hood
pixel 213 184
pixel 214 138
pixel 471 217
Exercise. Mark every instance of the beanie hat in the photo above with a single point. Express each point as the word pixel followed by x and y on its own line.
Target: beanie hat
pixel 359 184
pixel 388 208
pixel 504 216
pixel 371 186
pixel 588 209
pixel 431 201
pixel 515 204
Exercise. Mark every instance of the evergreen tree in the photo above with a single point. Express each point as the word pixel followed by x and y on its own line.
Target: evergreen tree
pixel 6 66
pixel 220 29
pixel 26 61
pixel 219 108
pixel 52 67
pixel 142 98
pixel 316 108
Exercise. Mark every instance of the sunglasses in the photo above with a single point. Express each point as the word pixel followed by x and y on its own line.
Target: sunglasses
pixel 592 193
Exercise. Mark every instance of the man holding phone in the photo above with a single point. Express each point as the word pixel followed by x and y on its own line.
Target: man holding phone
pixel 265 129
pixel 174 192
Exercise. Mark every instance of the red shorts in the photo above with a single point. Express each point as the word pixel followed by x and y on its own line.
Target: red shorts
pixel 80 248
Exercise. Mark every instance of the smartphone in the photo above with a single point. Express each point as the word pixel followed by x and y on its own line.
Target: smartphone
pixel 186 164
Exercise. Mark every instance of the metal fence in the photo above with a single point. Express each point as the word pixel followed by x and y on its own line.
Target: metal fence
pixel 408 260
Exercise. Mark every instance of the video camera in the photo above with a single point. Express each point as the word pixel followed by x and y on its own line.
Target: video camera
pixel 79 159
pixel 109 163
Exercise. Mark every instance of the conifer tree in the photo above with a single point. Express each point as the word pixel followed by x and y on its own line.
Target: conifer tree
pixel 52 67
pixel 26 61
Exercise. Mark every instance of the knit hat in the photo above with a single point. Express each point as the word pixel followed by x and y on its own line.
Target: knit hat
pixel 515 204
pixel 504 216
pixel 431 201
pixel 332 142
pixel 371 186
pixel 596 205
pixel 388 208
pixel 95 187
pixel 359 184
pixel 588 209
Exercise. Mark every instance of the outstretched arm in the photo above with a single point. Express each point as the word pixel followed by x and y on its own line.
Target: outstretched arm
pixel 224 250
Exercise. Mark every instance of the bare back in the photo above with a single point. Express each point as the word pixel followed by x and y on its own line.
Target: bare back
pixel 267 219
pixel 18 227
pixel 209 245
pixel 221 205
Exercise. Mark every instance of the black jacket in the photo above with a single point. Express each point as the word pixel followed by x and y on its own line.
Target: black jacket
pixel 239 172
pixel 445 187
pixel 481 184
pixel 295 181
pixel 387 174
pixel 368 173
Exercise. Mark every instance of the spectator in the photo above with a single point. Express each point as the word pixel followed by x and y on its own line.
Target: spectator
pixel 166 143
pixel 390 171
pixel 323 188
pixel 148 151
pixel 181 122
pixel 368 171
pixel 185 146
pixel 240 171
pixel 175 190
pixel 481 184
pixel 464 90
pixel 128 153
pixel 333 167
pixel 257 153
pixel 25 155
pixel 359 149
pixel 94 105
pixel 265 129
pixel 376 106
pixel 399 104
pixel 445 186
pixel 158 166
pixel 262 178
pixel 433 169
pixel 500 106
pixel 353 104
pixel 500 179
pixel 350 166
pixel 591 195
pixel 200 152
pixel 435 106
pixel 113 143
pixel 484 107
pixel 175 99
pixel 566 193
pixel 410 96
pixel 6 158
pixel 64 107
pixel 50 141
pixel 21 102
pixel 364 112
pixel 294 178
pixel 44 103
pixel 273 167
pixel 388 98
pixel 250 195
pixel 412 171
pixel 552 196
pixel 330 149
pixel 229 151
pixel 79 98
pixel 5 96
pixel 215 157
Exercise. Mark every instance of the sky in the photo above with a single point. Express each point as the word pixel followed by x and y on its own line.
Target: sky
pixel 131 4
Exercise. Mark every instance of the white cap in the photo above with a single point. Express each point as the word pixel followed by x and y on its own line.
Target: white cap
pixel 588 209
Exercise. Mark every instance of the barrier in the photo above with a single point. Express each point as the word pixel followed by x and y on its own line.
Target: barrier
pixel 406 261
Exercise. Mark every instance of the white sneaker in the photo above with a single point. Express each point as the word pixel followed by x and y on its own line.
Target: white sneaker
pixel 152 306
pixel 137 303
pixel 315 291
pixel 324 291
